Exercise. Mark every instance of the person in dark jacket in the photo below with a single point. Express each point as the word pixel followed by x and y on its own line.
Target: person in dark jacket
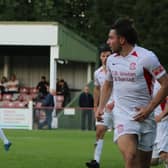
pixel 42 86
pixel 49 103
pixel 63 89
pixel 86 102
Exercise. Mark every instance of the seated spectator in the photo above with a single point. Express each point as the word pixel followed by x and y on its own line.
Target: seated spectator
pixel 42 86
pixel 63 89
pixel 3 84
pixel 13 84
pixel 50 103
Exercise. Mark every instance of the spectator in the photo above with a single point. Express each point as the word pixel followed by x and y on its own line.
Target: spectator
pixel 63 89
pixel 3 84
pixel 86 101
pixel 48 102
pixel 13 84
pixel 42 86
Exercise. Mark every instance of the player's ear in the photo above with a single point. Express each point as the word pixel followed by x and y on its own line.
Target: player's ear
pixel 122 40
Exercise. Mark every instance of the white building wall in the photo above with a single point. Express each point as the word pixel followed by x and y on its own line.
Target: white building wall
pixel 29 69
pixel 28 34
pixel 74 73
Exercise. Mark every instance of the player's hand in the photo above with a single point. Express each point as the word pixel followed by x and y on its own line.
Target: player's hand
pixel 110 106
pixel 158 118
pixel 143 113
pixel 99 114
pixel 95 109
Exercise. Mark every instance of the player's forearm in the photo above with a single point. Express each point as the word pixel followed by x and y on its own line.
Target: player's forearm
pixel 96 96
pixel 105 94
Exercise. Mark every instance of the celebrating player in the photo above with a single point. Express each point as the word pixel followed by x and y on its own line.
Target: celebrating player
pixel 130 75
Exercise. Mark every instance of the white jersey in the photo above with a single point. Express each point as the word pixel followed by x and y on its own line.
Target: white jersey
pixel 133 78
pixel 99 79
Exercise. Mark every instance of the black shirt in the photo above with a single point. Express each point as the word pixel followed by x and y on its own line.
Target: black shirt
pixel 86 100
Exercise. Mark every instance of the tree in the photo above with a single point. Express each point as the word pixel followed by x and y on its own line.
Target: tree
pixel 92 19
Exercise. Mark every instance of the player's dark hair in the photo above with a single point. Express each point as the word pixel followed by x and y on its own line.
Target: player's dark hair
pixel 104 48
pixel 125 27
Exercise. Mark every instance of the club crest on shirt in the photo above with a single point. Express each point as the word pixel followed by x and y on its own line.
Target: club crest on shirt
pixel 120 128
pixel 133 66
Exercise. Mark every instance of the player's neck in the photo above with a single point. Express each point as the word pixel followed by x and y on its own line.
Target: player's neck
pixel 126 49
pixel 104 67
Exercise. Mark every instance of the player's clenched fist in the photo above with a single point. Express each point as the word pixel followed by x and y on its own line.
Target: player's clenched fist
pixel 99 114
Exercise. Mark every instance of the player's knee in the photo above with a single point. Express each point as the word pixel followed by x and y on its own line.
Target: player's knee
pixel 100 132
pixel 130 157
pixel 163 156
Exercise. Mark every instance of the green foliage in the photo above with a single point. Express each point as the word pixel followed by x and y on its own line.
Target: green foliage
pixel 92 19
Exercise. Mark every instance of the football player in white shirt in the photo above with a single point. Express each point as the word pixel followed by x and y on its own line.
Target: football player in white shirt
pixel 161 142
pixel 7 143
pixel 130 75
pixel 106 122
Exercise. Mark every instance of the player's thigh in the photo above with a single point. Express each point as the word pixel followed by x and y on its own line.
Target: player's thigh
pixel 127 144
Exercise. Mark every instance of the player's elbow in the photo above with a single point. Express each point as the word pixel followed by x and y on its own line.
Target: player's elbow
pixel 166 81
pixel 108 85
pixel 96 90
pixel 165 84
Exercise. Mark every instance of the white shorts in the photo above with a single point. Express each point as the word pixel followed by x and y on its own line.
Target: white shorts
pixel 146 137
pixel 107 120
pixel 161 141
pixel 155 153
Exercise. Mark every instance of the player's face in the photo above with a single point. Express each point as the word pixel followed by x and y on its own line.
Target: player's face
pixel 103 56
pixel 114 41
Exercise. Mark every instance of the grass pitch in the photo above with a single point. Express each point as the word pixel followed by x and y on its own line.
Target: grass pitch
pixel 56 149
